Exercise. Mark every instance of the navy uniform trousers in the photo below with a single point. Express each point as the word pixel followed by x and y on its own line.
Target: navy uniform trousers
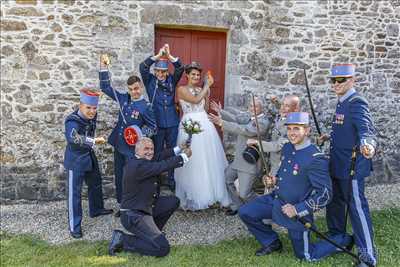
pixel 147 238
pixel 358 213
pixel 253 214
pixel 95 195
pixel 352 126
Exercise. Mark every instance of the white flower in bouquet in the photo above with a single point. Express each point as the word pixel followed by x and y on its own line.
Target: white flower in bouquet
pixel 191 127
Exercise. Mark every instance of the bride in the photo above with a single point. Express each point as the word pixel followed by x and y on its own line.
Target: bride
pixel 200 182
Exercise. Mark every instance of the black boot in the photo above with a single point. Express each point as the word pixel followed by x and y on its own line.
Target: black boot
pixel 76 235
pixel 116 243
pixel 101 213
pixel 274 246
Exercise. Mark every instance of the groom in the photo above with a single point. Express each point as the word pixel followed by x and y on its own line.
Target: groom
pixel 243 125
pixel 160 88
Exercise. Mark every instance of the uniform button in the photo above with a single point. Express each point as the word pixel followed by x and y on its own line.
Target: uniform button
pixel 155 183
pixel 154 195
pixel 289 161
pixel 277 187
pixel 280 179
pixel 276 196
pixel 284 170
pixel 153 206
pixel 293 152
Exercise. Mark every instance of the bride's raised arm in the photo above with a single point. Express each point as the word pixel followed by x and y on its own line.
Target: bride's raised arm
pixel 185 94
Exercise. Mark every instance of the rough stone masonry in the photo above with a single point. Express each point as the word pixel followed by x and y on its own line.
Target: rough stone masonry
pixel 50 48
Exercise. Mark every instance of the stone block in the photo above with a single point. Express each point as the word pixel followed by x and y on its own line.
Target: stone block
pixel 23 95
pixel 12 25
pixel 277 78
pixel 7 50
pixel 155 14
pixel 26 2
pixel 29 50
pixel 25 12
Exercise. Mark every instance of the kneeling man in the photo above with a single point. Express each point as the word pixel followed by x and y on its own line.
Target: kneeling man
pixel 301 187
pixel 143 211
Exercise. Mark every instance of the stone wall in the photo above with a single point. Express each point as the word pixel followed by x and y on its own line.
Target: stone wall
pixel 50 48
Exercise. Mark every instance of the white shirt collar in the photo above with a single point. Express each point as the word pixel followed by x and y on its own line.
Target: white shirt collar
pixel 347 95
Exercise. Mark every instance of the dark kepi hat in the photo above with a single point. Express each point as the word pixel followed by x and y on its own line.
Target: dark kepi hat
pixel 342 70
pixel 89 96
pixel 251 155
pixel 300 118
pixel 161 64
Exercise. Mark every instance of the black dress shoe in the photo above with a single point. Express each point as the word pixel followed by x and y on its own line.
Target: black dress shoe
pixel 76 235
pixel 101 213
pixel 274 246
pixel 116 243
pixel 231 212
pixel 350 246
pixel 117 214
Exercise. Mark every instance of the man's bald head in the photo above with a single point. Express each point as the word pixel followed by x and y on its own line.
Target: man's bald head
pixel 258 106
pixel 291 103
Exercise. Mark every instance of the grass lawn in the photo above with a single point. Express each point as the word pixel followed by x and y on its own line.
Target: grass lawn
pixel 23 250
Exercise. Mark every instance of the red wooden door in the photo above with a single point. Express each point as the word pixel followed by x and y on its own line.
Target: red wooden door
pixel 207 48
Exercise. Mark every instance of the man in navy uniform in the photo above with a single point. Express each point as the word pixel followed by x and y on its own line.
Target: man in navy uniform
pixel 161 87
pixel 133 110
pixel 305 169
pixel 143 211
pixel 352 128
pixel 81 162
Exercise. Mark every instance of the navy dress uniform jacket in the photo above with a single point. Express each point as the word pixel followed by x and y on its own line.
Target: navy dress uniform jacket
pixel 163 98
pixel 79 132
pixel 303 181
pixel 136 112
pixel 352 125
pixel 141 182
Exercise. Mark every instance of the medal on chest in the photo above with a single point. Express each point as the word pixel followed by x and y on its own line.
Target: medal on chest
pixel 296 169
pixel 135 114
pixel 339 118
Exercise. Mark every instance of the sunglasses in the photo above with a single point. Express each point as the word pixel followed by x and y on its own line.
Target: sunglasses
pixel 339 79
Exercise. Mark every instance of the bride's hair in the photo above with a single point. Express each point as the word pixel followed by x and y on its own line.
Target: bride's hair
pixel 191 66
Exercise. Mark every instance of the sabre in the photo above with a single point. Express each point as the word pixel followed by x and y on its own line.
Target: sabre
pixel 311 105
pixel 312 228
pixel 259 135
pixel 308 225
pixel 352 173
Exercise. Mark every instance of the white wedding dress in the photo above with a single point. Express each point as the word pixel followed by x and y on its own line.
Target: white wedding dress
pixel 201 181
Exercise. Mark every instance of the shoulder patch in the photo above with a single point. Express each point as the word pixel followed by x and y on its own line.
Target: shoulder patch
pixel 318 154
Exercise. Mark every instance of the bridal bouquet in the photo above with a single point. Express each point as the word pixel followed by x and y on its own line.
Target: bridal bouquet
pixel 191 127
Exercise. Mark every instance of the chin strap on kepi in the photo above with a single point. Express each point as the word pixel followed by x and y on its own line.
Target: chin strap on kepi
pixel 132 134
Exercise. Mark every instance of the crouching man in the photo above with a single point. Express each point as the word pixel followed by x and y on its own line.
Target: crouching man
pixel 301 187
pixel 143 211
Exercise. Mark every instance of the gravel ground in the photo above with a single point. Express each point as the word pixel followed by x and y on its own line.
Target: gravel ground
pixel 49 220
